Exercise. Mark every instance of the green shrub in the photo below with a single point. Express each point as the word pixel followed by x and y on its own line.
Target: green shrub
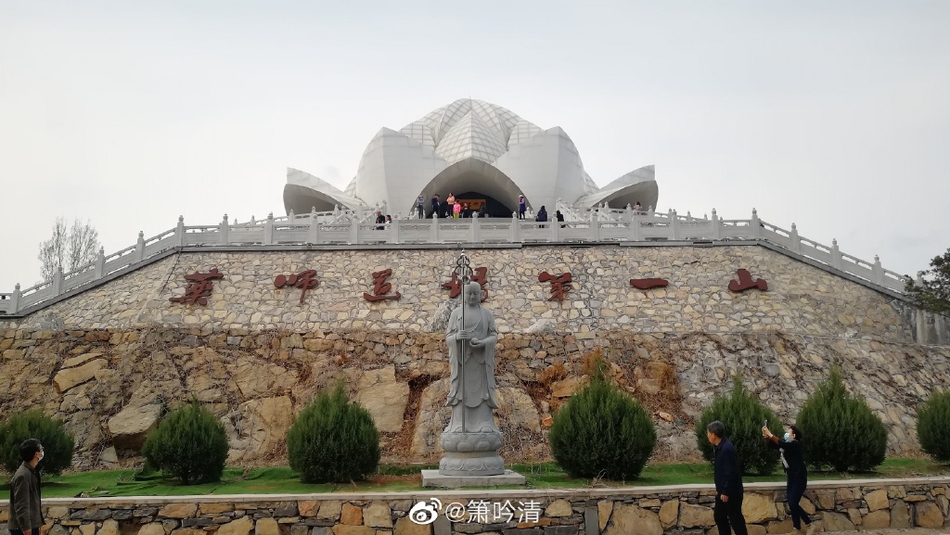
pixel 933 426
pixel 57 443
pixel 602 431
pixel 189 444
pixel 743 415
pixel 333 440
pixel 840 430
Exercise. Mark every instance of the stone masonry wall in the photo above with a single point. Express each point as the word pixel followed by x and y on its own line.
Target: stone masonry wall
pixel 109 361
pixel 110 386
pixel 839 506
pixel 801 299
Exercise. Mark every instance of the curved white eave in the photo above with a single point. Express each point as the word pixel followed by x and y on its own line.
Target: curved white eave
pixel 303 188
pixel 639 184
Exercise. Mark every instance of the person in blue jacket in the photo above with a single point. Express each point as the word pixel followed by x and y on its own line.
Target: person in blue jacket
pixel 728 477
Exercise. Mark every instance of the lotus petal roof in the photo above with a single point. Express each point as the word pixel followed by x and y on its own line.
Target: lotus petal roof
pixel 516 157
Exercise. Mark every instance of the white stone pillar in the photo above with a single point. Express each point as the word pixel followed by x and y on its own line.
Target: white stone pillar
pixel 354 231
pixel 180 231
pixel 877 272
pixel 58 281
pixel 140 247
pixel 756 225
pixel 594 226
pixel 476 228
pixel 314 227
pixel 515 235
pixel 674 225
pixel 100 263
pixel 15 298
pixel 716 226
pixel 269 229
pixel 434 230
pixel 224 229
pixel 394 230
pixel 835 254
pixel 795 241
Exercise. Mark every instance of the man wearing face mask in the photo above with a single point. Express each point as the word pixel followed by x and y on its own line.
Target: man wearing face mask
pixel 793 461
pixel 26 516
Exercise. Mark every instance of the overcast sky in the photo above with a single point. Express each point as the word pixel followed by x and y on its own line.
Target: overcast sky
pixel 832 115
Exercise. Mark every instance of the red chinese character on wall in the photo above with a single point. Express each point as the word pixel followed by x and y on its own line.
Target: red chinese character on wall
pixel 560 285
pixel 646 284
pixel 381 287
pixel 745 282
pixel 305 280
pixel 199 289
pixel 455 287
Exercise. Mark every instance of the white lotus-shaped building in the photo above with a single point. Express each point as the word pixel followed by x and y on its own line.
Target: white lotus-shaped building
pixel 475 150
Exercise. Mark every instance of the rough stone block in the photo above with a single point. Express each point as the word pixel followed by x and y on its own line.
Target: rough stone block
pixel 757 508
pixel 604 509
pixel 669 513
pixel 404 526
pixel 900 515
pixel 877 500
pixel 344 529
pixel 330 509
pixel 928 515
pixel 877 520
pixel 698 516
pixel 559 508
pixel 632 519
pixel 266 526
pixel 179 510
pixel 351 515
pixel 378 515
pixel 836 522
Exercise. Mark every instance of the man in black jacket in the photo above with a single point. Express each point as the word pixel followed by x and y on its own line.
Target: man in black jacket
pixel 26 516
pixel 728 477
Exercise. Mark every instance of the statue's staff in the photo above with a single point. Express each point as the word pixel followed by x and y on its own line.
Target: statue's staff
pixel 462 272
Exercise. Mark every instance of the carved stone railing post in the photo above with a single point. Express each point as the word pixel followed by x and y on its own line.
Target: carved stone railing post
pixel 394 230
pixel 180 231
pixel 100 263
pixel 434 230
pixel 635 230
pixel 716 226
pixel 835 254
pixel 476 228
pixel 795 241
pixel 269 229
pixel 314 227
pixel 224 229
pixel 877 272
pixel 515 235
pixel 755 225
pixel 140 247
pixel 15 298
pixel 674 225
pixel 58 281
pixel 594 226
pixel 354 231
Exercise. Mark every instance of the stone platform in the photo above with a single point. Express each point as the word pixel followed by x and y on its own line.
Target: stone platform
pixel 432 478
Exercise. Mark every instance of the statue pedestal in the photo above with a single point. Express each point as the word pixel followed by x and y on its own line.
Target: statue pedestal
pixel 432 478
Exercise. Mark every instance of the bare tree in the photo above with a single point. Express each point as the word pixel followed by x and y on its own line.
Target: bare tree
pixel 68 249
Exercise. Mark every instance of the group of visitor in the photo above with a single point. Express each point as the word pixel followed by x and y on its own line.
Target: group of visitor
pixel 727 475
pixel 451 207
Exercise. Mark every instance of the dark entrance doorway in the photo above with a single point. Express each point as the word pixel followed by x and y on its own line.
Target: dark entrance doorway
pixel 495 208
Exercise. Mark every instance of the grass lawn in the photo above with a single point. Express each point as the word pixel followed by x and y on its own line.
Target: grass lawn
pixel 281 480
